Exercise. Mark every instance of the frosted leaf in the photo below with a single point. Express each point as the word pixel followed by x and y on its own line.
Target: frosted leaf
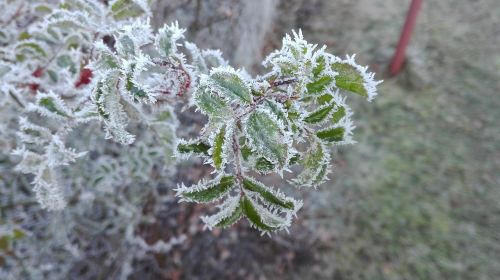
pixel 32 48
pixel 111 111
pixel 210 103
pixel 89 6
pixel 32 133
pixel 124 9
pixel 229 213
pixel 278 110
pixel 272 198
pixel 316 165
pixel 47 190
pixel 131 37
pixel 229 84
pixel 263 219
pixel 207 191
pixel 320 114
pixel 267 136
pixel 213 58
pixel 220 141
pixel 340 133
pixel 57 154
pixel 197 58
pixel 184 148
pixel 167 37
pixel 137 87
pixel 30 161
pixel 50 105
pixel 68 20
pixel 106 59
pixel 319 85
pixel 294 58
pixel 355 78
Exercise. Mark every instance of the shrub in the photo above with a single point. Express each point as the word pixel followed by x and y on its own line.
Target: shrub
pixel 67 69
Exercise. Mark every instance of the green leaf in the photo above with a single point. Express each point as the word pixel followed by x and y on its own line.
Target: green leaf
pixel 218 148
pixel 106 60
pixel 32 46
pixel 315 162
pixel 287 68
pixel 53 75
pixel 319 85
pixel 331 135
pixel 263 165
pixel 110 108
pixel 324 99
pixel 197 148
pixel 120 4
pixel 211 104
pixel 320 176
pixel 101 108
pixel 165 40
pixel 126 45
pixel 320 66
pixel 4 243
pixel 231 85
pixel 18 234
pixel 229 213
pixel 253 215
pixel 294 159
pixel 43 9
pixel 267 194
pixel 266 137
pixel 277 111
pixel 165 116
pixel 349 78
pixel 48 103
pixel 233 218
pixel 4 69
pixel 20 57
pixel 213 59
pixel 65 61
pixel 137 93
pixel 246 152
pixel 123 9
pixel 339 114
pixel 318 115
pixel 215 190
pixel 24 36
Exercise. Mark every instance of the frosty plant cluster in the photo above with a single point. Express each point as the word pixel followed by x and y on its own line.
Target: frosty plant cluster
pixel 82 62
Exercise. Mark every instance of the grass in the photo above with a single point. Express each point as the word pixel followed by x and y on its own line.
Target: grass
pixel 417 197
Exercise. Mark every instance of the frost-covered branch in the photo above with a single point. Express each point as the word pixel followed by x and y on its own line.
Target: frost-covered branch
pixel 83 64
pixel 288 117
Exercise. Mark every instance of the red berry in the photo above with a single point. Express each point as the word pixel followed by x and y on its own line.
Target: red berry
pixel 38 72
pixel 33 86
pixel 85 77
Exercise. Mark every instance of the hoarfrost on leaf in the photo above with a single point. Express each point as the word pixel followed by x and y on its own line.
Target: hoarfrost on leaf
pixel 84 71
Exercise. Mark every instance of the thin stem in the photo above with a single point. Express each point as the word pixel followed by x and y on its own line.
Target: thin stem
pixel 276 95
pixel 248 110
pixel 237 160
pixel 285 81
pixel 14 16
pixel 53 57
pixel 16 99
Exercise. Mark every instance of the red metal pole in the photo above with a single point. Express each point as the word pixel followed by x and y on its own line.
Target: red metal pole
pixel 399 56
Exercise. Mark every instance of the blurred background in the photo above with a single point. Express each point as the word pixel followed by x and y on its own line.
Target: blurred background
pixel 418 196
